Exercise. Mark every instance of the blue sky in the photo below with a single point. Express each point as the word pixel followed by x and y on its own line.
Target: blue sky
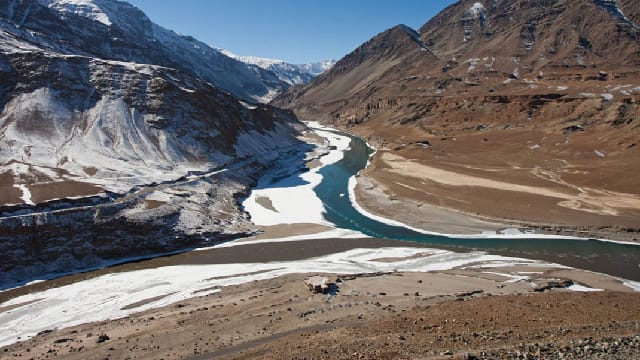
pixel 295 31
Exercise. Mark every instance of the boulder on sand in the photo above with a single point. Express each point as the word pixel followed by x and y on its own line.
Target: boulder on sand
pixel 318 284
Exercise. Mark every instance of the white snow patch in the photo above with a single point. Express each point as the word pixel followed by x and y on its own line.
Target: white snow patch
pixel 606 96
pixel 582 288
pixel 329 234
pixel 562 88
pixel 317 68
pixel 264 63
pixel 26 193
pixel 513 278
pixel 511 232
pixel 473 63
pixel 294 196
pixel 599 153
pixel 270 95
pixel 634 285
pixel 107 296
pixel 86 8
pixel 477 9
pixel 247 105
pixel 159 196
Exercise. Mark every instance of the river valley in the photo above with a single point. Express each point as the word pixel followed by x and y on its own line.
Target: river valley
pixel 598 255
pixel 349 244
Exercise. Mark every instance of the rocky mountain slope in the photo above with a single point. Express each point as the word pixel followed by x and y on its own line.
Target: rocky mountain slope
pixel 292 74
pixel 116 30
pixel 116 141
pixel 543 94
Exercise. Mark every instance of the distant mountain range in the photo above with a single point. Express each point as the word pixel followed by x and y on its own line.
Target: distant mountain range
pixel 292 74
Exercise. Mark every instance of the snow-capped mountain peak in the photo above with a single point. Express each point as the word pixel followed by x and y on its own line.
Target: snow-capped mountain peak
pixel 252 60
pixel 317 68
pixel 87 8
pixel 292 74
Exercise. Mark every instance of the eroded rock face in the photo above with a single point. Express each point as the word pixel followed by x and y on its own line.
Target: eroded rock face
pixel 116 141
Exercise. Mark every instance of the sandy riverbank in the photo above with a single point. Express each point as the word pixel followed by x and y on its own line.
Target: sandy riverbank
pixel 126 289
pixel 392 315
pixel 458 201
pixel 246 298
pixel 376 198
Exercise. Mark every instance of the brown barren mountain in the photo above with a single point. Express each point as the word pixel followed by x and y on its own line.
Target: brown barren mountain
pixel 522 111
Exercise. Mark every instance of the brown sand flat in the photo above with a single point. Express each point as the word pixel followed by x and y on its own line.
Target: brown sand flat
pixel 574 197
pixel 376 197
pixel 550 199
pixel 56 190
pixel 8 193
pixel 153 204
pixel 286 230
pixel 397 315
pixel 315 163
pixel 144 302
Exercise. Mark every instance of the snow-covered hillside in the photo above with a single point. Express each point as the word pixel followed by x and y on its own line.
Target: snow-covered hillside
pixel 67 104
pixel 292 74
pixel 116 30
pixel 119 138
pixel 85 8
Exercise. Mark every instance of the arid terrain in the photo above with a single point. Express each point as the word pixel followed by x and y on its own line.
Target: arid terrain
pixel 494 115
pixel 469 311
pixel 517 112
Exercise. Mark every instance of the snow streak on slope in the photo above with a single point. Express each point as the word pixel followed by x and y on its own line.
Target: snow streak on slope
pixel 87 8
pixel 612 7
pixel 116 140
